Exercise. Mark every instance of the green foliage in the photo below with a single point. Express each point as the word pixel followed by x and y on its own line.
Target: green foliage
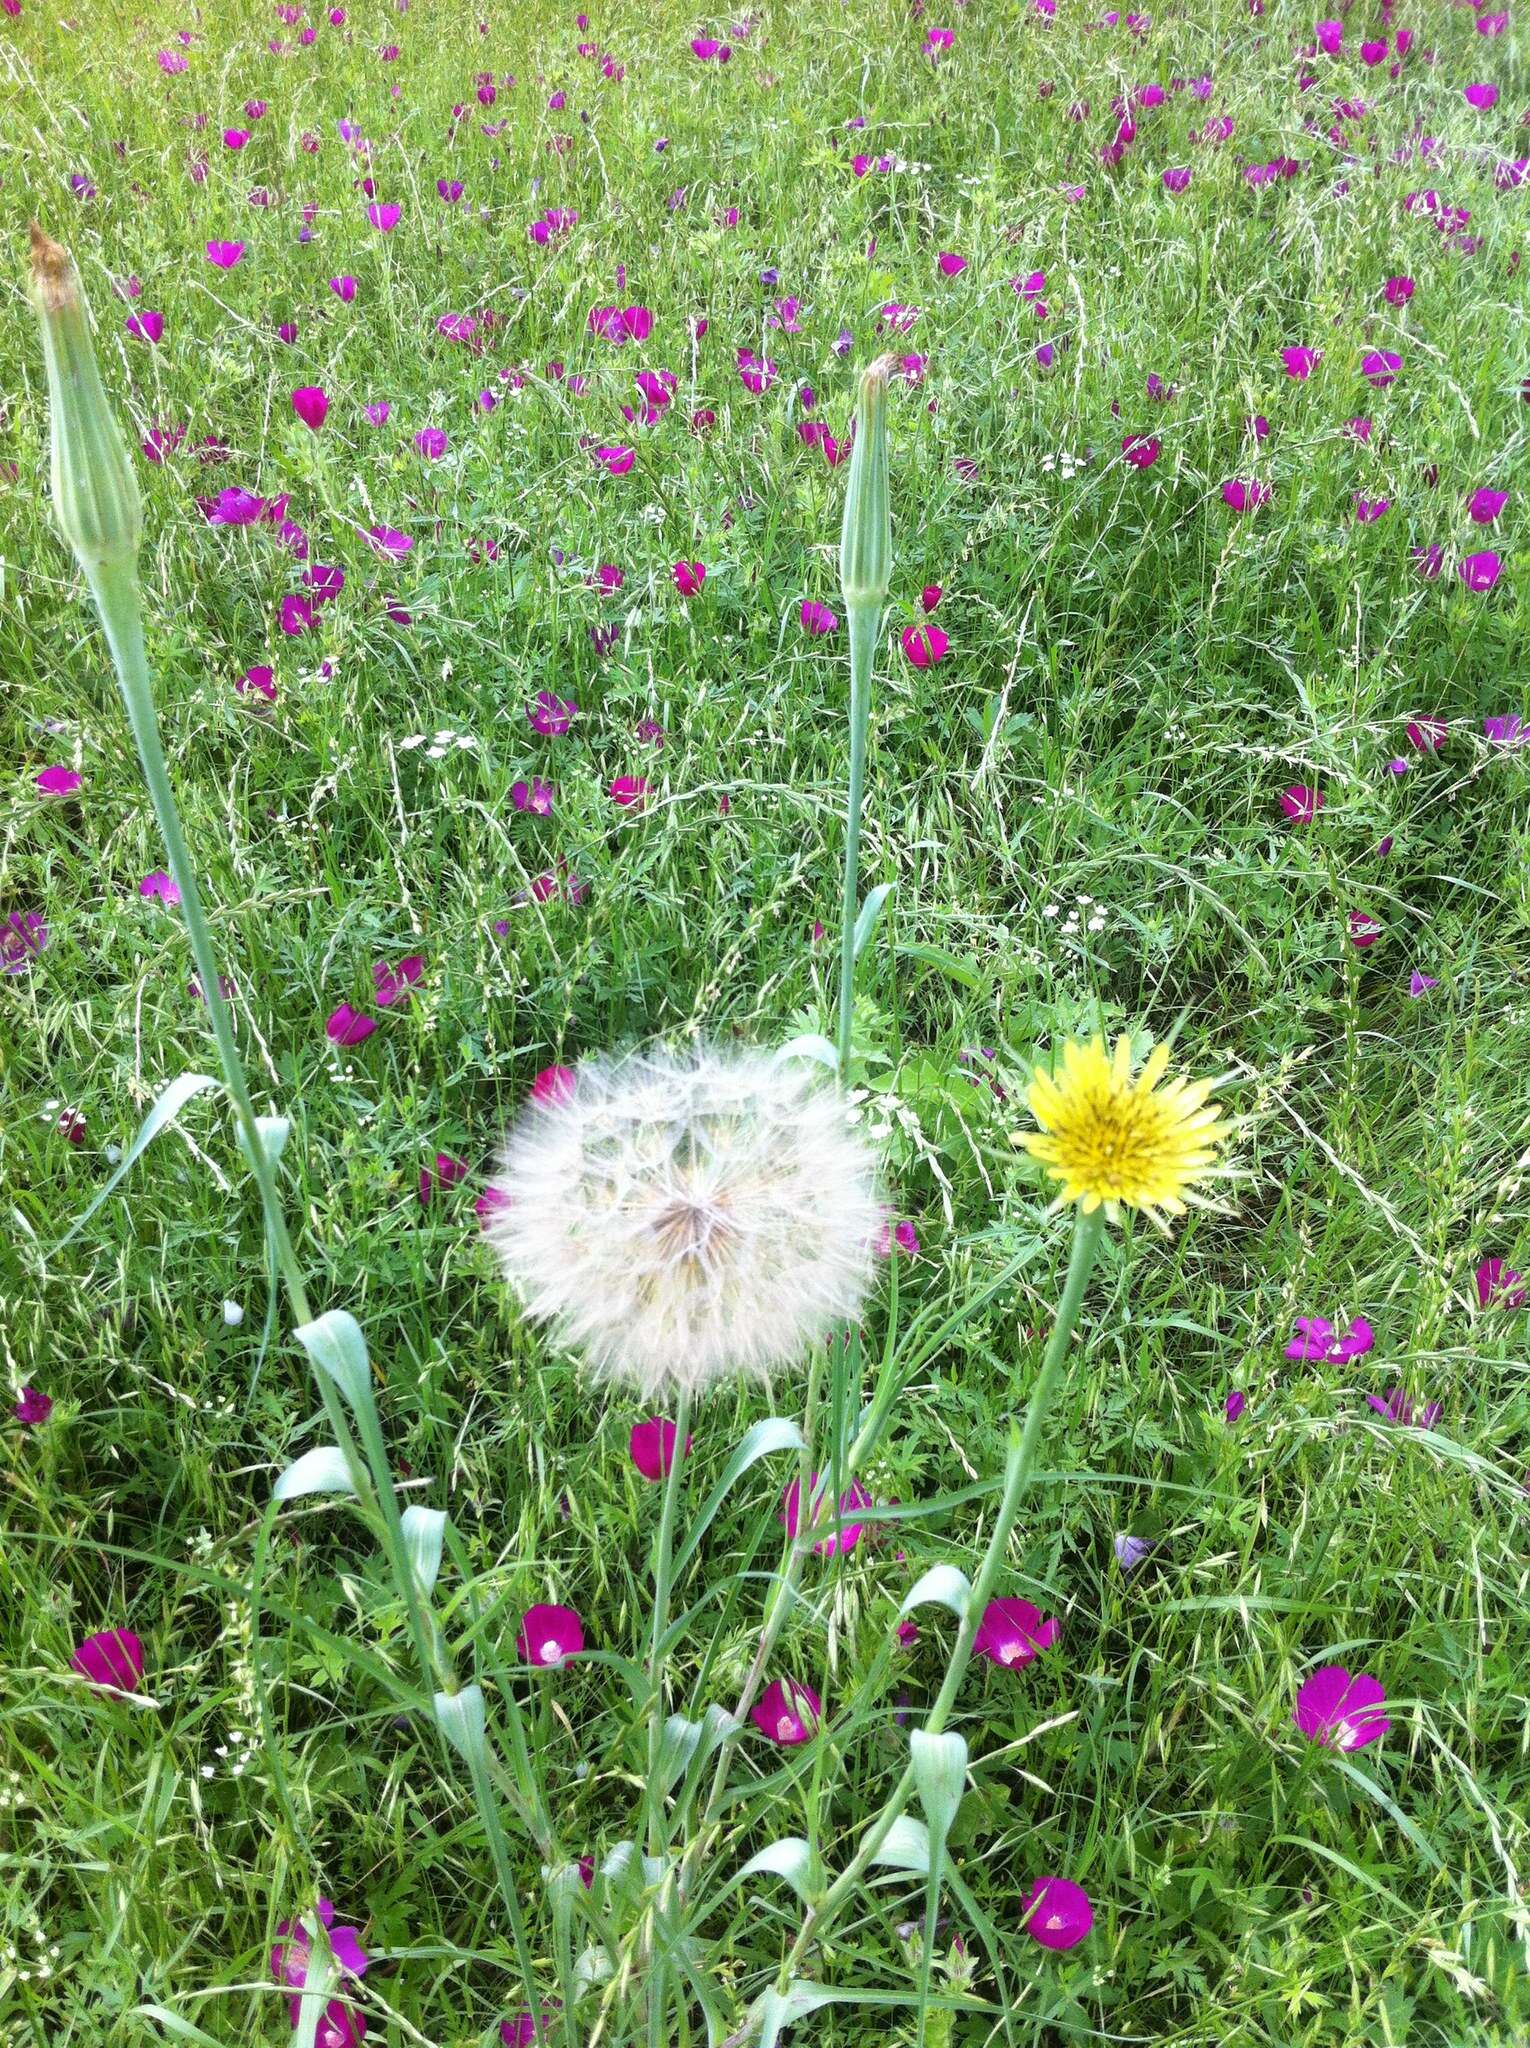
pixel 1077 815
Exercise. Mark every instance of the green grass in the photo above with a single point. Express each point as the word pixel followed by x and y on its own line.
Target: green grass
pixel 1134 675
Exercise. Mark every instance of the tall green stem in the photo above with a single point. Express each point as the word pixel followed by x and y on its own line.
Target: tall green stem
pixel 865 624
pixel 663 1557
pixel 1017 1471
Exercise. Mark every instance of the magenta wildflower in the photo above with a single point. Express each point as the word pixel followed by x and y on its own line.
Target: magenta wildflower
pixel 651 1447
pixel 1057 1912
pixel 527 2028
pixel 383 217
pixel 224 255
pixel 629 792
pixel 1398 1408
pixel 1141 450
pixel 257 681
pixel 710 50
pixel 1506 729
pixel 756 373
pixel 23 935
pixel 925 645
pixel 161 885
pixel 1480 571
pixel 900 1236
pixel 950 265
pixel 1244 495
pixel 1397 290
pixel 554 1084
pixel 689 577
pixel 1301 362
pixel 346 1026
pixel 446 1173
pixel 535 796
pixel 1012 1633
pixel 549 1636
pixel 235 138
pixel 112 1660
pixel 1484 505
pixel 1339 1711
pixel 393 984
pixel 145 326
pixel 1364 930
pixel 614 459
pixel 1301 804
pixel 388 541
pixel 1177 178
pixel 1234 1405
pixel 787 1713
pixel 33 1407
pixel 550 714
pixel 311 404
pixel 57 781
pixel 1380 367
pixel 431 442
pixel 1315 1338
pixel 847 1536
pixel 344 289
pixel 817 618
pixel 1420 984
pixel 1499 1286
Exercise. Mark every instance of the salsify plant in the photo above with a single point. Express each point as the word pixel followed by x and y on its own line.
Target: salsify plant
pixel 683 1222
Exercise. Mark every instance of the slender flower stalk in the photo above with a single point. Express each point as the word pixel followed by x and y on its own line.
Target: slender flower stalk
pixel 1017 1472
pixel 663 1556
pixel 1114 1141
pixel 865 574
pixel 100 516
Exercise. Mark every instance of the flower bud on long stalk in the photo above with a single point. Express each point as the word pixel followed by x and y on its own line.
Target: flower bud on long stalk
pixel 100 515
pixel 95 494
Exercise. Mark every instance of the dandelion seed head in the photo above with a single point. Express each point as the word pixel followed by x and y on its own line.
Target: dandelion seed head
pixel 683 1218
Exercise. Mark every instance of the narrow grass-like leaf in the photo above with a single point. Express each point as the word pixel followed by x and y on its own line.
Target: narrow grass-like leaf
pixel 775 1433
pixel 167 1106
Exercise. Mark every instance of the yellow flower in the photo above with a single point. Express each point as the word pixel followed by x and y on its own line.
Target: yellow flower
pixel 1114 1142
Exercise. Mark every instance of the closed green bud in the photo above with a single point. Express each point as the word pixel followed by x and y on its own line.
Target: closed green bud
pixel 95 494
pixel 865 546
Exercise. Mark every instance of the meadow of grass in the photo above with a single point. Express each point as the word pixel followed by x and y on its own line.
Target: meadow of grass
pixel 1078 809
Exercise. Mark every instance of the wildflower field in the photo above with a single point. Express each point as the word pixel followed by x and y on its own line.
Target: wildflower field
pixel 895 636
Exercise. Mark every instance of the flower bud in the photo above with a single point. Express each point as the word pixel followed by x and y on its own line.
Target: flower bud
pixel 865 547
pixel 95 494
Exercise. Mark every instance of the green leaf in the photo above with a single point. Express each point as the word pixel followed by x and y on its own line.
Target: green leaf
pixel 948 964
pixel 775 1433
pixel 941 1586
pixel 334 1344
pixel 321 1471
pixel 272 1132
pixel 182 2030
pixel 167 1107
pixel 791 1858
pixel 907 1847
pixel 870 912
pixel 460 1717
pixel 940 1772
pixel 423 1530
pixel 778 2010
pixel 808 1045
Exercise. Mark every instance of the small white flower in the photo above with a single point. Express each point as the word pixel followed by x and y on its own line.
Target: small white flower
pixel 233 1314
pixel 679 1219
